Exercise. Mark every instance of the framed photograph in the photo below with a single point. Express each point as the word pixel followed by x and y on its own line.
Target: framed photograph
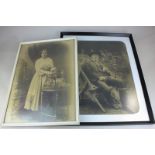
pixel 44 85
pixel 112 89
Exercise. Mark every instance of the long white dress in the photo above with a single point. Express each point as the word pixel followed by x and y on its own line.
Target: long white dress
pixel 42 67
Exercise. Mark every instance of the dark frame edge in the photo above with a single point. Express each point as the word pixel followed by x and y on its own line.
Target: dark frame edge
pixel 116 123
pixel 142 80
pixel 94 34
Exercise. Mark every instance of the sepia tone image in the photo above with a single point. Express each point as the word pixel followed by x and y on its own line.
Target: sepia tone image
pixel 106 85
pixel 44 83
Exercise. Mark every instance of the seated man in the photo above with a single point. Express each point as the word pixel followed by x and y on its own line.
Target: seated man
pixel 101 77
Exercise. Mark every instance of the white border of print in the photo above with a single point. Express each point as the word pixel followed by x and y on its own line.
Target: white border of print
pixel 142 114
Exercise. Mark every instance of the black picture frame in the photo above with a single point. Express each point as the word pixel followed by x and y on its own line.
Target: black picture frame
pixel 139 69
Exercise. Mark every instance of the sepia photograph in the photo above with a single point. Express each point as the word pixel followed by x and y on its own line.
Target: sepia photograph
pixel 110 88
pixel 105 78
pixel 44 88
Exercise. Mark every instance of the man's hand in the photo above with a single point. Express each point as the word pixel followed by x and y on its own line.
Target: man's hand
pixel 102 78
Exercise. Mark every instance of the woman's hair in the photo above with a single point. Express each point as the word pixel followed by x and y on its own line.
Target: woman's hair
pixel 44 50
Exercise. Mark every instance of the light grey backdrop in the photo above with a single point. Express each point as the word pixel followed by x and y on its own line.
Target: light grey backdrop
pixel 10 37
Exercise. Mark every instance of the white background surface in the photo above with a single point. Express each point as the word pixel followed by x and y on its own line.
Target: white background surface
pixel 10 37
pixel 77 13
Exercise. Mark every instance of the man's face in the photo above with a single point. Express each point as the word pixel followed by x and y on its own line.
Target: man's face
pixel 44 54
pixel 95 57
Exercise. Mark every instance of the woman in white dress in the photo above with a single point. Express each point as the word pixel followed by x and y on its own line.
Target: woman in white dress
pixel 44 67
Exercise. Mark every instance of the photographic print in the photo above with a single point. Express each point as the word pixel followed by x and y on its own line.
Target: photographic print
pixel 105 79
pixel 110 87
pixel 44 89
